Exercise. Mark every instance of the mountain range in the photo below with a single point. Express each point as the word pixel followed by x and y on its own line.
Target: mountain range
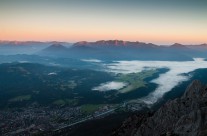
pixel 126 50
pixel 106 50
pixel 25 47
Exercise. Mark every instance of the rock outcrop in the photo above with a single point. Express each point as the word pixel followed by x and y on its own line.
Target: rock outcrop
pixel 185 116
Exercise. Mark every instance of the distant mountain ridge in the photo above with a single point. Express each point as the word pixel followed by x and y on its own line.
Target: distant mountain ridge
pixel 125 50
pixel 128 43
pixel 30 43
pixel 26 47
pixel 100 42
pixel 114 43
pixel 106 50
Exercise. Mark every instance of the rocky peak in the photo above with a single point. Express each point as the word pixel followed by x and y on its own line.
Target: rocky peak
pixel 55 47
pixel 185 116
pixel 193 90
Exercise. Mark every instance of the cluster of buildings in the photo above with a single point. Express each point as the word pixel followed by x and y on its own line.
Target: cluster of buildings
pixel 34 120
pixel 38 120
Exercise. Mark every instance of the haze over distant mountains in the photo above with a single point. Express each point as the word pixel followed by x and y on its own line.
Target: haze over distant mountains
pixel 106 50
pixel 126 50
pixel 25 47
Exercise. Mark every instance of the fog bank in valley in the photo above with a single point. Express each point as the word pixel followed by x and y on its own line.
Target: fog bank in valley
pixel 166 81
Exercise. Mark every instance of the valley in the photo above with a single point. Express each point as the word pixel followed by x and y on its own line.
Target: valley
pixel 103 68
pixel 64 97
pixel 52 93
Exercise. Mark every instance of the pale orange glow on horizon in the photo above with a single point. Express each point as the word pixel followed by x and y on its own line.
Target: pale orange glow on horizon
pixel 75 36
pixel 160 25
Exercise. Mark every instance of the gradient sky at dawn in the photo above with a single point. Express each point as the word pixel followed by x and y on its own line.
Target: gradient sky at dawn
pixel 156 21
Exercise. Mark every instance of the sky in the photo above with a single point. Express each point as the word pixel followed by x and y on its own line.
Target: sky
pixel 155 21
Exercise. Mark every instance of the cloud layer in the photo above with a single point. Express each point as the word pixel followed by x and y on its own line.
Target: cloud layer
pixel 109 86
pixel 167 81
pixel 92 60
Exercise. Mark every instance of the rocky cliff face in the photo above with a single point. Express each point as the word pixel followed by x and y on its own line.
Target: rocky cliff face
pixel 185 116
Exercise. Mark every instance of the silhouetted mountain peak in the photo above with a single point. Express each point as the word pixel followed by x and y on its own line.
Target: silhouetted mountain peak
pixel 178 45
pixel 55 47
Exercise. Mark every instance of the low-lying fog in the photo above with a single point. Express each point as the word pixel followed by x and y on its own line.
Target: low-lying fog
pixel 110 86
pixel 166 82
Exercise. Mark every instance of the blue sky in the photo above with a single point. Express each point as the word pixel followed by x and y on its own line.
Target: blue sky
pixel 157 21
